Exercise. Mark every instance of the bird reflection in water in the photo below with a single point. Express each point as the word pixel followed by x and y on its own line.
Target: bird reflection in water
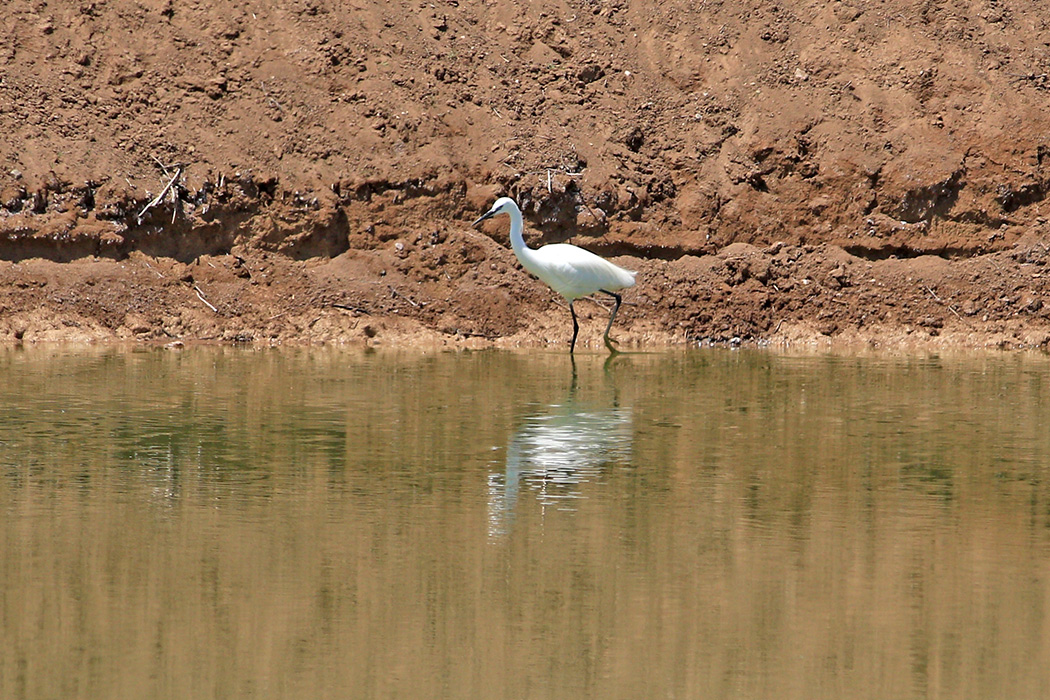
pixel 556 450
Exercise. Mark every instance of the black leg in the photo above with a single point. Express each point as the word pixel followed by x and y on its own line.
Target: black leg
pixel 575 329
pixel 609 341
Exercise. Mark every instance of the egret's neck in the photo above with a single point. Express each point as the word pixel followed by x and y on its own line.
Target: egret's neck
pixel 517 241
pixel 525 254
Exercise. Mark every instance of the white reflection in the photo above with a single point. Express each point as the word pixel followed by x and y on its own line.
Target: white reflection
pixel 554 452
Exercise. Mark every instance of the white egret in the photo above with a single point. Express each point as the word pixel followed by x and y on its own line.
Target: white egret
pixel 570 271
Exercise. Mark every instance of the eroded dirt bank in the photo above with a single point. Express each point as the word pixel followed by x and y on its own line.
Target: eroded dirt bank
pixel 306 171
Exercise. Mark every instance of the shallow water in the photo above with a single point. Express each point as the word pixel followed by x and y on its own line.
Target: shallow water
pixel 712 524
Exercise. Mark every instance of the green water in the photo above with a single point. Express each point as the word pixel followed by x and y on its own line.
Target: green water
pixel 227 523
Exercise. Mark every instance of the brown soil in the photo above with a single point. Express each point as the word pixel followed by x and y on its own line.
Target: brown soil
pixel 306 170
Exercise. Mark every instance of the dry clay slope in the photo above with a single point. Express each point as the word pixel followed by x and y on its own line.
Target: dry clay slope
pixel 656 130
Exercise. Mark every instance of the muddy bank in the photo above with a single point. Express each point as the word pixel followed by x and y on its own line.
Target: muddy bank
pixel 305 171
pixel 468 291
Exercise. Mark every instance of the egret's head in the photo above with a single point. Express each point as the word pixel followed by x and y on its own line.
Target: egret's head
pixel 503 205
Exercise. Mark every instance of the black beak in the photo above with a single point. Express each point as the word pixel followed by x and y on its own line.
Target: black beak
pixel 486 215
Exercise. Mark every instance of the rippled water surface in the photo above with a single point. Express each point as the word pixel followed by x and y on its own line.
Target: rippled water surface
pixel 225 523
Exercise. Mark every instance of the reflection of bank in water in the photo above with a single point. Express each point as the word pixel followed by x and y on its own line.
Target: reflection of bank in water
pixel 553 453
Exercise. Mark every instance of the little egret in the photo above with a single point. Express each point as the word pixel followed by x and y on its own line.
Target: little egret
pixel 570 271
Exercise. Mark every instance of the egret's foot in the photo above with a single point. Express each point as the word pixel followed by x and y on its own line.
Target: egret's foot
pixel 611 344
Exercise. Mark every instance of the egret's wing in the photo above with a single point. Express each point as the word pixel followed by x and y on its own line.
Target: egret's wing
pixel 574 272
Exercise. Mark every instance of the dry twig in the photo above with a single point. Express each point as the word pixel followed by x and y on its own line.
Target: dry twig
pixel 157 200
pixel 399 294
pixel 941 301
pixel 200 296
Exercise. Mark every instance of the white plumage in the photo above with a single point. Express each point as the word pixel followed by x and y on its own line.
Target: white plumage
pixel 570 271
